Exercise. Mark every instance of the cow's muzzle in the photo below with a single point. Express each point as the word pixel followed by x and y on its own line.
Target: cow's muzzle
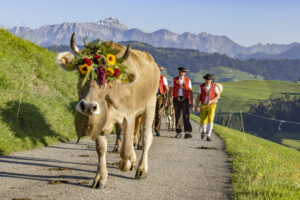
pixel 88 108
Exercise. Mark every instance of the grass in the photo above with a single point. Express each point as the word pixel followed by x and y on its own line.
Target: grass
pixel 288 139
pixel 239 95
pixel 224 74
pixel 261 169
pixel 46 110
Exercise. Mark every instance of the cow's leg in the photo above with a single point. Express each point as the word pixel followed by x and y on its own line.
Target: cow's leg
pixel 136 129
pixel 118 139
pixel 127 154
pixel 139 146
pixel 101 174
pixel 147 138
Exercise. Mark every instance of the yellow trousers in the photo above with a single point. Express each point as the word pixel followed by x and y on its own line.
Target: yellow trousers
pixel 208 113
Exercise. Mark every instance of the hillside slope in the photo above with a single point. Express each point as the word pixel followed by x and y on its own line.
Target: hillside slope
pixel 261 169
pixel 238 96
pixel 45 114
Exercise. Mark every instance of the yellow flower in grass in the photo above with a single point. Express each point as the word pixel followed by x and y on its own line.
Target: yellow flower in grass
pixel 109 71
pixel 84 68
pixel 111 59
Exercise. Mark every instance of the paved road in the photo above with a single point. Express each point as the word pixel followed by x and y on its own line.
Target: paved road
pixel 178 169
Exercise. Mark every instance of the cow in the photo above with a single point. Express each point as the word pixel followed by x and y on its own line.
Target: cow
pixel 99 108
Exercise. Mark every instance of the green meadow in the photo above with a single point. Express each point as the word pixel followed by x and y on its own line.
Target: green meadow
pixel 47 99
pixel 239 95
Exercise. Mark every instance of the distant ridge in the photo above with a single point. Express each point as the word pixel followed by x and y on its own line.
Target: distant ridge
pixel 113 29
pixel 292 53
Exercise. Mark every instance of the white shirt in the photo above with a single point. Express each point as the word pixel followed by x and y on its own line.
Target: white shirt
pixel 180 92
pixel 165 83
pixel 207 88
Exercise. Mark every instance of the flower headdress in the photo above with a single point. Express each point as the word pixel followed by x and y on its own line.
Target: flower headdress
pixel 98 61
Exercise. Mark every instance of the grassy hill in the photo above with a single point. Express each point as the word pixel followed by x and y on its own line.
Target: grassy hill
pixel 46 111
pixel 239 95
pixel 261 169
pixel 223 74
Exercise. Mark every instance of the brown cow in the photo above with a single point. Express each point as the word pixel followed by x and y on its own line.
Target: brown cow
pixel 99 108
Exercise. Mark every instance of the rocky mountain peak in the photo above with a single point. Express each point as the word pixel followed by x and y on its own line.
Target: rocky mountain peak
pixel 112 23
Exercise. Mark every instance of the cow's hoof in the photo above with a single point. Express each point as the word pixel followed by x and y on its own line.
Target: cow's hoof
pixel 99 185
pixel 133 167
pixel 116 149
pixel 125 165
pixel 140 174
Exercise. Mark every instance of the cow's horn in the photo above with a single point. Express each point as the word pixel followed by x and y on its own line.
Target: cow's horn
pixel 126 54
pixel 73 44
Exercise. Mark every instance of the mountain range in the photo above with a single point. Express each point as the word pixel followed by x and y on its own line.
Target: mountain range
pixel 225 67
pixel 113 29
pixel 292 53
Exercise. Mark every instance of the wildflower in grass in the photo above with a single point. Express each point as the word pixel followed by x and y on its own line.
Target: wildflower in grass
pixel 111 59
pixel 84 68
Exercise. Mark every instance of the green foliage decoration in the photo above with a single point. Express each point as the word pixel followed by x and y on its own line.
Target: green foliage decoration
pixel 97 61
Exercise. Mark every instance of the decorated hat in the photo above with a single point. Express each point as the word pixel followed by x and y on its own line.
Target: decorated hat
pixel 182 69
pixel 209 76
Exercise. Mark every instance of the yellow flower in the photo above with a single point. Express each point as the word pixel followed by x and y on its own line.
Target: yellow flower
pixel 111 59
pixel 109 71
pixel 84 68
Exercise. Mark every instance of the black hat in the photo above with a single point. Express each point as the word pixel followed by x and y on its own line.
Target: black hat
pixel 209 77
pixel 182 69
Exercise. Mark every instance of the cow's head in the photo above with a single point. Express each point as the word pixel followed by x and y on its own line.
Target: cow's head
pixel 98 69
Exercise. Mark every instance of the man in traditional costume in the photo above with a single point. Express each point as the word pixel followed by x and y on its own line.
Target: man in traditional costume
pixel 181 89
pixel 208 95
pixel 162 94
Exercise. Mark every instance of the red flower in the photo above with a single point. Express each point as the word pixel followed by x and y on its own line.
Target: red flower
pixel 86 61
pixel 96 57
pixel 117 72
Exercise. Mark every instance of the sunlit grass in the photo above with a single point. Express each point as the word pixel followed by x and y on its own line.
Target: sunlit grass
pixel 49 93
pixel 261 169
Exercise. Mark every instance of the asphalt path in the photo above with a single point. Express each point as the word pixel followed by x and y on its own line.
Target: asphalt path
pixel 178 169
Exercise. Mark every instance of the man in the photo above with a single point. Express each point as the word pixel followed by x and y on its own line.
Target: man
pixel 208 95
pixel 181 89
pixel 162 93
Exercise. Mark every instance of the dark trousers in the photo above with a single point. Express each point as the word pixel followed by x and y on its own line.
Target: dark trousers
pixel 182 107
pixel 159 105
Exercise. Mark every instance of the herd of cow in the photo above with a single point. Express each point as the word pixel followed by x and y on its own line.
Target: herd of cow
pixel 129 106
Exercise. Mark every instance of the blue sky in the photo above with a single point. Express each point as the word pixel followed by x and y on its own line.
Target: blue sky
pixel 246 22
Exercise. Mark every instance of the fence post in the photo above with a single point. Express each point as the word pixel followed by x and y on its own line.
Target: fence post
pixel 224 119
pixel 243 128
pixel 229 119
pixel 20 99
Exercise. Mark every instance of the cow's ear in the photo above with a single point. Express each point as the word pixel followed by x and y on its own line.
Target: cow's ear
pixel 64 60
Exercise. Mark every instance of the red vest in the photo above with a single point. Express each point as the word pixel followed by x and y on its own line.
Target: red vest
pixel 185 87
pixel 211 94
pixel 161 84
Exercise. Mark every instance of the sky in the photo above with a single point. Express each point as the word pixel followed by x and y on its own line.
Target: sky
pixel 246 22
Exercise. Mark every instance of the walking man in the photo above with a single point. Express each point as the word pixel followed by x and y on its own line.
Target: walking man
pixel 162 93
pixel 181 89
pixel 208 95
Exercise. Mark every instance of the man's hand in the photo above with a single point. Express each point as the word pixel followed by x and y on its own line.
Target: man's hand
pixel 192 106
pixel 167 103
pixel 197 108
